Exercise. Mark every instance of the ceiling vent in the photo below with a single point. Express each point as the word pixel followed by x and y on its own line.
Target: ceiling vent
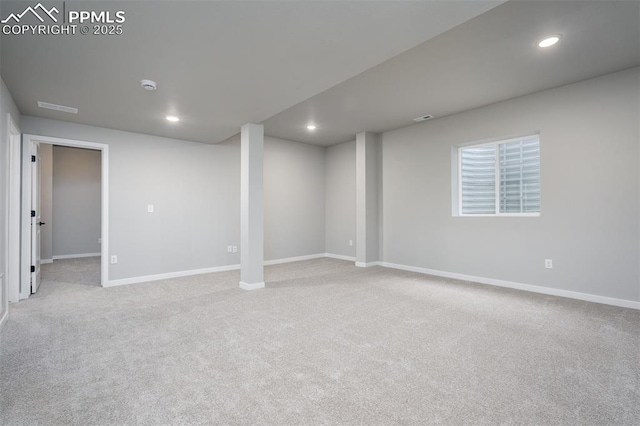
pixel 60 108
pixel 149 85
pixel 423 118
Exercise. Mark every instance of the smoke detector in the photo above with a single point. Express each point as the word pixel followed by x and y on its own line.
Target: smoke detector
pixel 423 118
pixel 149 85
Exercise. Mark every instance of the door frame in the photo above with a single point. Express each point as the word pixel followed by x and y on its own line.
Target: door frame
pixel 11 279
pixel 36 205
pixel 25 258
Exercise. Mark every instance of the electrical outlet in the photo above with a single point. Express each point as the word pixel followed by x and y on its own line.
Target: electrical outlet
pixel 351 242
pixel 149 208
pixel 114 259
pixel 548 263
pixel 235 249
pixel 229 249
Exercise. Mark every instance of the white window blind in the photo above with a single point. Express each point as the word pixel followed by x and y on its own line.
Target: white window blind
pixel 479 180
pixel 501 177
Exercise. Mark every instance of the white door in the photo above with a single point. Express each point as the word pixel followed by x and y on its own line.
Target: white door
pixel 36 215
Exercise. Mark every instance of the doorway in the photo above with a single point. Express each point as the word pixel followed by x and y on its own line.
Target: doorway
pixel 70 209
pixel 32 208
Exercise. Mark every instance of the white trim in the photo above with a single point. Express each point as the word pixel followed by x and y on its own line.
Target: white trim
pixel 249 287
pixel 340 257
pixel 368 264
pixel 45 261
pixel 157 277
pixel 27 140
pixel 519 286
pixel 293 259
pixel 25 223
pixel 5 311
pixel 4 319
pixel 12 230
pixel 490 281
pixel 501 140
pixel 534 214
pixel 169 275
pixel 74 256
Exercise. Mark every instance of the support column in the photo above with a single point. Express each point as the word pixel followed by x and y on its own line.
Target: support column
pixel 367 189
pixel 251 207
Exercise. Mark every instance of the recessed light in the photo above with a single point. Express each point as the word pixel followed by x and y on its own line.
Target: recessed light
pixel 549 41
pixel 172 118
pixel 311 127
pixel 423 118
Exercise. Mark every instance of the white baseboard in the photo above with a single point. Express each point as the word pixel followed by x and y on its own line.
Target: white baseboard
pixel 294 259
pixel 254 286
pixel 168 275
pixel 5 314
pixel 4 319
pixel 368 264
pixel 519 286
pixel 45 261
pixel 76 256
pixel 482 280
pixel 340 257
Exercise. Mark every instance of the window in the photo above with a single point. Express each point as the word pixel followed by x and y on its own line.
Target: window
pixel 500 178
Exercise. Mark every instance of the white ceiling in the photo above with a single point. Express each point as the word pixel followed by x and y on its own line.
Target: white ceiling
pixel 218 64
pixel 490 58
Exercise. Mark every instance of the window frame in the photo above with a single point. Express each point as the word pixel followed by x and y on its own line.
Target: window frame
pixel 496 143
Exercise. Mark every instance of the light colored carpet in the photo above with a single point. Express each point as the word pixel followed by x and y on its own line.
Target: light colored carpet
pixel 325 343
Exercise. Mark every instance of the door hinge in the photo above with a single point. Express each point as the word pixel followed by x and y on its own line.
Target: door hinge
pixel 33 158
pixel 33 213
pixel 33 268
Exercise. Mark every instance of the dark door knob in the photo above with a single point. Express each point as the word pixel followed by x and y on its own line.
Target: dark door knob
pixel 41 223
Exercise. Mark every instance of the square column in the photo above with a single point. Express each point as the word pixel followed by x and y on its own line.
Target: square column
pixel 368 172
pixel 251 207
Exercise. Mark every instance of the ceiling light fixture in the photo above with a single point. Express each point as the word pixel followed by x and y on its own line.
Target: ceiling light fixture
pixel 423 118
pixel 149 85
pixel 311 127
pixel 172 118
pixel 549 41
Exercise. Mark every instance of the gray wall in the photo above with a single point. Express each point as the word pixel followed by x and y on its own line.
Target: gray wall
pixel 46 201
pixel 195 189
pixel 294 188
pixel 589 223
pixel 340 199
pixel 76 201
pixel 7 106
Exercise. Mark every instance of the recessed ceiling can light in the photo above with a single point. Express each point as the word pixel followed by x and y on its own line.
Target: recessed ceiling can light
pixel 149 85
pixel 549 41
pixel 172 118
pixel 423 118
pixel 311 127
